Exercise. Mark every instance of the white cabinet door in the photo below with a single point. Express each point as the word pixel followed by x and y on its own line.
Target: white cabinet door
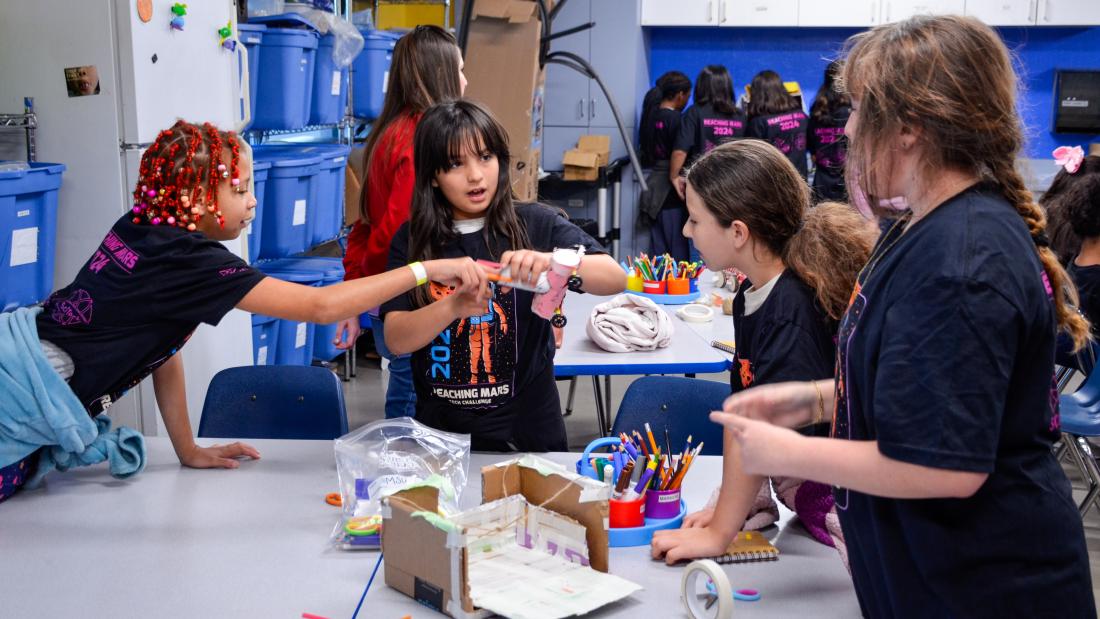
pixel 1003 12
pixel 759 12
pixel 1068 13
pixel 857 13
pixel 897 10
pixel 680 12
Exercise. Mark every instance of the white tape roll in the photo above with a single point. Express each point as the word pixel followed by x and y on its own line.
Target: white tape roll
pixel 698 601
pixel 695 312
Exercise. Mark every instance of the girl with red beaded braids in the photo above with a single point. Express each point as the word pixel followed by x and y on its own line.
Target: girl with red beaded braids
pixel 159 272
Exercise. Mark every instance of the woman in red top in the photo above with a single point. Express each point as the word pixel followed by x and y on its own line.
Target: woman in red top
pixel 426 69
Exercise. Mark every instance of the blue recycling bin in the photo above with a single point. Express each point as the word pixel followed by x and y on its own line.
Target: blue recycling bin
pixel 294 342
pixel 330 86
pixel 28 231
pixel 265 339
pixel 290 190
pixel 285 89
pixel 251 35
pixel 371 70
pixel 318 271
pixel 259 181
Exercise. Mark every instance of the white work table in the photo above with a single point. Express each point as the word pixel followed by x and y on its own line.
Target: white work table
pixel 251 542
pixel 688 353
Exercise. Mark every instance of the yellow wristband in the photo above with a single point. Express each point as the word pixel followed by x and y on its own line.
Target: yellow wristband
pixel 420 273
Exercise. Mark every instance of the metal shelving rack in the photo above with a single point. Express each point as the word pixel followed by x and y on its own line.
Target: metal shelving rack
pixel 342 132
pixel 26 121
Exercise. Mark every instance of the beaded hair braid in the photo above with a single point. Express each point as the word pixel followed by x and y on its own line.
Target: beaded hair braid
pixel 182 159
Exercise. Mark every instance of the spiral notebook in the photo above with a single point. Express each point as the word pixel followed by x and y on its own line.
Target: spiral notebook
pixel 725 345
pixel 747 547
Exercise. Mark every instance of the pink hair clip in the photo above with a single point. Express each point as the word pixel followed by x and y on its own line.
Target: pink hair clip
pixel 1069 157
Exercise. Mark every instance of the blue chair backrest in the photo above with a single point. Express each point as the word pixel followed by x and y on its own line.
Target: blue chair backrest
pixel 1088 394
pixel 274 401
pixel 681 405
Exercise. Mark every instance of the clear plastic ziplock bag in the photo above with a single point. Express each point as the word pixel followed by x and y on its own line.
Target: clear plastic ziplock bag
pixel 386 456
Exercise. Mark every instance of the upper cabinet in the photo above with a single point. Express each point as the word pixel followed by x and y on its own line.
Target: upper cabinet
pixel 1067 13
pixel 841 13
pixel 1003 12
pixel 680 12
pixel 864 13
pixel 758 12
pixel 897 10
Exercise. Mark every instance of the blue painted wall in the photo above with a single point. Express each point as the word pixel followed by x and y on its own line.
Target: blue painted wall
pixel 800 54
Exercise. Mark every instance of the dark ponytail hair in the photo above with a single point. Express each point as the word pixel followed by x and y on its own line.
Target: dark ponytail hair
pixel 829 97
pixel 768 95
pixel 445 134
pixel 424 72
pixel 714 87
pixel 752 182
pixel 1072 204
pixel 668 86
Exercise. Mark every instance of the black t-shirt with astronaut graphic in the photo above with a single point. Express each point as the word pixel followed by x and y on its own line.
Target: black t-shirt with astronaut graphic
pixel 492 376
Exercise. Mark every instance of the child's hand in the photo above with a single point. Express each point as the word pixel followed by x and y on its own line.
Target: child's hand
pixel 466 304
pixel 790 405
pixel 218 456
pixel 765 448
pixel 675 545
pixel 462 273
pixel 347 331
pixel 526 265
pixel 699 519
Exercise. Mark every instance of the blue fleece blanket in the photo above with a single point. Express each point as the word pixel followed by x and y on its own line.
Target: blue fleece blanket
pixel 39 410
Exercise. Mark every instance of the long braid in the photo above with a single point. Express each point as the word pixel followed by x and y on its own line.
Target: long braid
pixel 1062 288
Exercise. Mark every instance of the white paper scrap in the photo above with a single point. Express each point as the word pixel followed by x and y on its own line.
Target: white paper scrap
pixel 24 246
pixel 299 217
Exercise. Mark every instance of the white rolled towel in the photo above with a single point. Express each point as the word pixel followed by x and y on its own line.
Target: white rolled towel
pixel 628 323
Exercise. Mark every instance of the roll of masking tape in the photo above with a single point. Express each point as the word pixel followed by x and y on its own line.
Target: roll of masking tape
pixel 695 312
pixel 702 601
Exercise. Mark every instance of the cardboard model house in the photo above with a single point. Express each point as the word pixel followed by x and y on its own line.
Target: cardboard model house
pixel 536 548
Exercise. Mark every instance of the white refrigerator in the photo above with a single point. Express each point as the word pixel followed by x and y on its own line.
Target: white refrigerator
pixel 149 74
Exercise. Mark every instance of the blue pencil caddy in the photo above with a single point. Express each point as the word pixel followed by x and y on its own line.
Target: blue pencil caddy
pixel 584 465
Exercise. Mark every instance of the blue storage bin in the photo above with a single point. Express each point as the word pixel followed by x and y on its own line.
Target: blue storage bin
pixel 330 86
pixel 265 338
pixel 288 193
pixel 285 88
pixel 294 344
pixel 251 35
pixel 371 72
pixel 326 211
pixel 28 231
pixel 323 272
pixel 255 234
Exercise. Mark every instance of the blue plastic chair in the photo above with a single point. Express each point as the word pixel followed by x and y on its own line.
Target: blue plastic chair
pixel 680 405
pixel 1080 417
pixel 274 401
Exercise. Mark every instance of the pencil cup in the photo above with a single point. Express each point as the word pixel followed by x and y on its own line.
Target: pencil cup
pixel 678 286
pixel 653 287
pixel 626 514
pixel 634 283
pixel 693 285
pixel 662 504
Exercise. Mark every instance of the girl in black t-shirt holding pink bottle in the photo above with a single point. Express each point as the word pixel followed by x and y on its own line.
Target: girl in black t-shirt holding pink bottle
pixel 160 272
pixel 483 361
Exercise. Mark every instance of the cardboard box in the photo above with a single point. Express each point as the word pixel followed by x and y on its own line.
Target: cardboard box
pixel 353 183
pixel 583 163
pixel 539 527
pixel 502 67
